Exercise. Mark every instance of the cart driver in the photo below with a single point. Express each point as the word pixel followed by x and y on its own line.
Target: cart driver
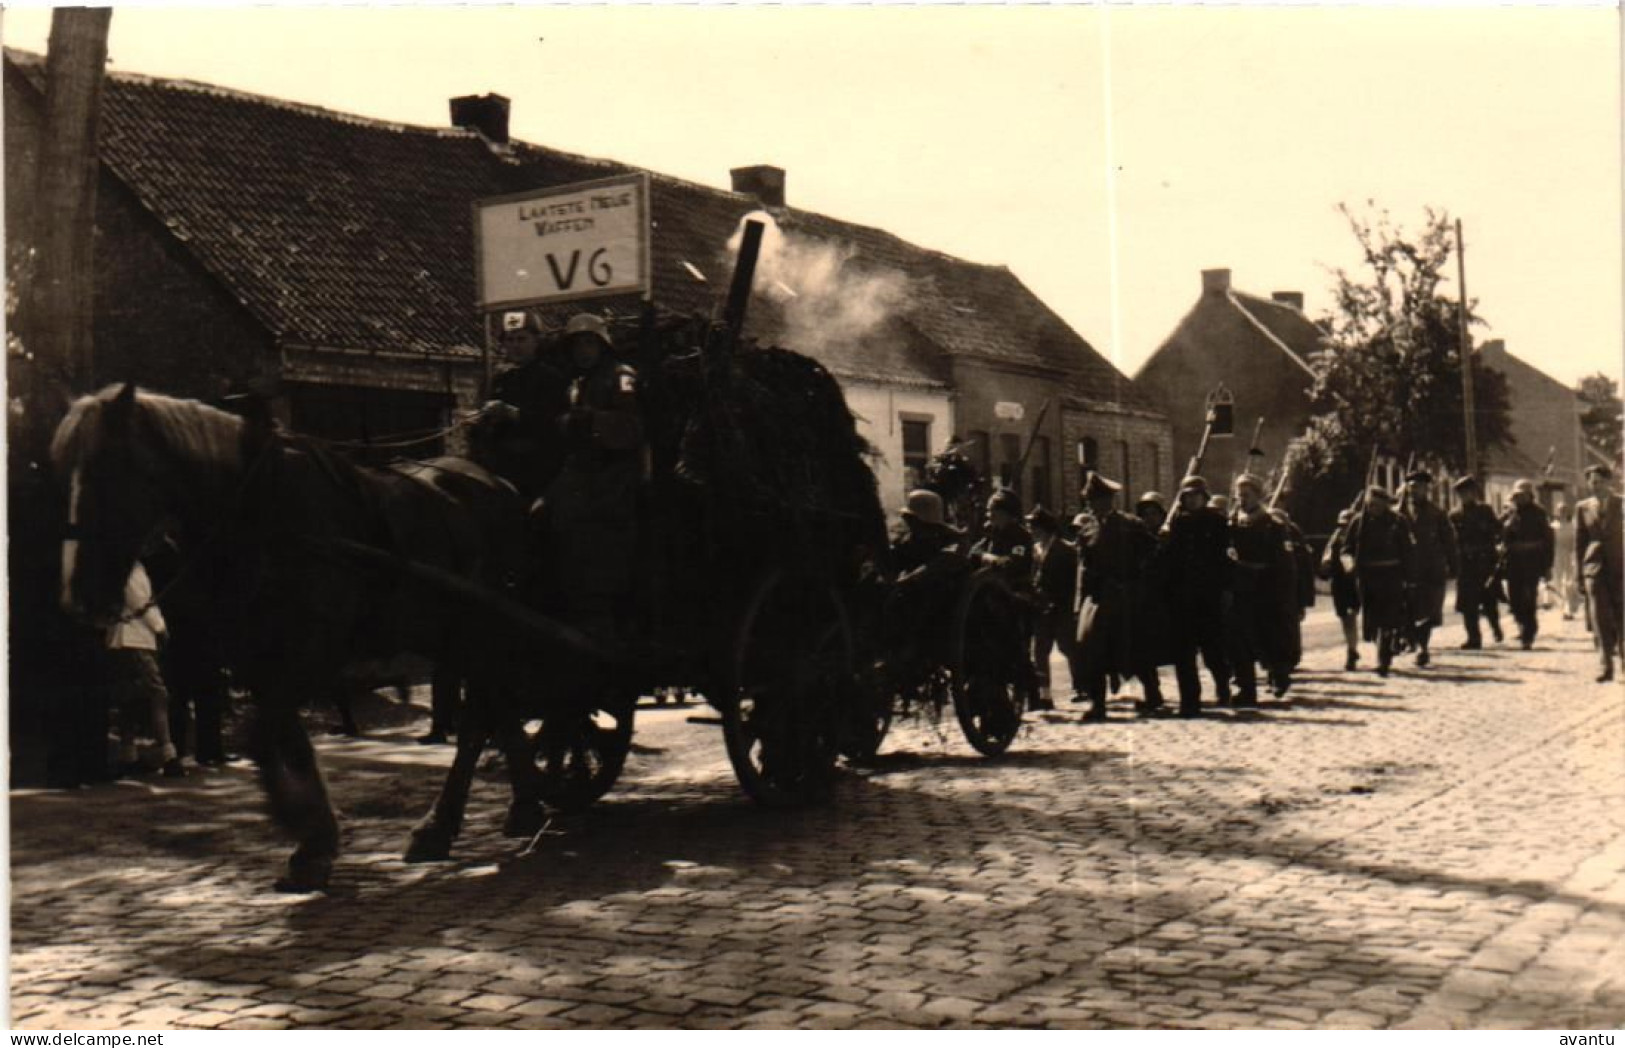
pixel 592 506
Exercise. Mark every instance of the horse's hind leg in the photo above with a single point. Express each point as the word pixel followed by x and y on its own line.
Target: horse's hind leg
pixel 297 794
pixel 432 837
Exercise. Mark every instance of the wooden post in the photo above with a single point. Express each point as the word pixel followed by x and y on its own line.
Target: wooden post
pixel 65 194
pixel 1466 349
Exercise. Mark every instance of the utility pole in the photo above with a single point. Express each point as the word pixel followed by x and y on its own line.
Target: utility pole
pixel 64 192
pixel 1466 339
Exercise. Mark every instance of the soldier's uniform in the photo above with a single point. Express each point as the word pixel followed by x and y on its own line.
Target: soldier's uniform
pixel 1378 547
pixel 1265 599
pixel 1477 534
pixel 1527 548
pixel 1008 547
pixel 1112 550
pixel 1433 564
pixel 592 505
pixel 1055 585
pixel 1196 552
pixel 1302 557
pixel 1345 588
pixel 1599 533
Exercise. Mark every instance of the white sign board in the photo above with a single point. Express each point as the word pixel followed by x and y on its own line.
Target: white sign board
pixel 585 240
pixel 1009 411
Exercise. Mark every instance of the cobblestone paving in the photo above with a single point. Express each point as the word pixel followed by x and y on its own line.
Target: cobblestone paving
pixel 1445 848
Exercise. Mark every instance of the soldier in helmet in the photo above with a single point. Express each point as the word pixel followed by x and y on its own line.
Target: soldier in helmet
pixel 592 505
pixel 1345 588
pixel 1477 535
pixel 1434 562
pixel 1199 595
pixel 927 533
pixel 1377 551
pixel 1008 547
pixel 1265 593
pixel 1527 549
pixel 1598 537
pixel 1113 548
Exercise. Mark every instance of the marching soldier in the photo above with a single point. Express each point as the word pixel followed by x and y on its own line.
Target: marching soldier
pixel 1055 582
pixel 1599 534
pixel 1377 551
pixel 1197 553
pixel 1265 593
pixel 1112 549
pixel 1345 588
pixel 1526 542
pixel 1434 559
pixel 1303 587
pixel 1152 511
pixel 1477 532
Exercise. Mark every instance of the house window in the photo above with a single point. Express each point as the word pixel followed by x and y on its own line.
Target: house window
pixel 1156 466
pixel 1009 461
pixel 1127 467
pixel 916 449
pixel 363 419
pixel 1038 467
pixel 981 454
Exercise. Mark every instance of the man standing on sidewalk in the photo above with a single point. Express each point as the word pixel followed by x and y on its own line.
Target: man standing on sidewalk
pixel 1435 559
pixel 1476 533
pixel 1526 539
pixel 1598 535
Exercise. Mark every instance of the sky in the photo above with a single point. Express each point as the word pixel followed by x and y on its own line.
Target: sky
pixel 1105 154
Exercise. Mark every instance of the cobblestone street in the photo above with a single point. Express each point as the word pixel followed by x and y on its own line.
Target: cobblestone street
pixel 1443 848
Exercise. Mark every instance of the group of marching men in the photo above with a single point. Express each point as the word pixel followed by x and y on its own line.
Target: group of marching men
pixel 1228 581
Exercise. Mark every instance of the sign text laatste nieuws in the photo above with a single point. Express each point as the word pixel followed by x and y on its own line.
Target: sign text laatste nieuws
pixel 585 240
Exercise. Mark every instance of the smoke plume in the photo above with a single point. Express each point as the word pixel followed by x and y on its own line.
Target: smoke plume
pixel 824 300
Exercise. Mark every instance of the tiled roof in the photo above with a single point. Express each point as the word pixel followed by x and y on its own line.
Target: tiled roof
pixel 340 231
pixel 1284 325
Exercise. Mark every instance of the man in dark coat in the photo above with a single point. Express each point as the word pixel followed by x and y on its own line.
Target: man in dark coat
pixel 1265 606
pixel 1434 559
pixel 1527 549
pixel 1345 588
pixel 1055 586
pixel 1477 534
pixel 1599 533
pixel 1378 552
pixel 1008 547
pixel 1196 552
pixel 1113 548
pixel 1303 589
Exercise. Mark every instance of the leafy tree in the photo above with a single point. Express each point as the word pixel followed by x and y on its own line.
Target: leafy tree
pixel 1390 376
pixel 1600 413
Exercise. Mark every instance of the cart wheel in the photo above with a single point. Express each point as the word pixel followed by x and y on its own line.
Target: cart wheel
pixel 580 753
pixel 793 676
pixel 989 672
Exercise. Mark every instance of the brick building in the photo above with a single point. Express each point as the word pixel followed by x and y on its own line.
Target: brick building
pixel 1545 417
pixel 1260 350
pixel 326 260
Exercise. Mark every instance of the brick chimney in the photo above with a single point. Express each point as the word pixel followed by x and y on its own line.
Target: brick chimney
pixel 1289 298
pixel 1215 281
pixel 762 181
pixel 487 114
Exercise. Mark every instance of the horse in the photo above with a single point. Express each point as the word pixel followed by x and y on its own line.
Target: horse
pixel 308 564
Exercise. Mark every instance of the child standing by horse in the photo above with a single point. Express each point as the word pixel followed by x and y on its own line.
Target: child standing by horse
pixel 139 695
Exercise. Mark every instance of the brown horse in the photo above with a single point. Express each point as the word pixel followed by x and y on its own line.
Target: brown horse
pixel 269 527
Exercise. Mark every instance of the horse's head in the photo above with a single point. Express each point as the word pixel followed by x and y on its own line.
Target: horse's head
pixel 127 458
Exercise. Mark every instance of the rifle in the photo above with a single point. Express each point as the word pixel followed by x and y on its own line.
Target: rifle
pixel 1032 438
pixel 1195 466
pixel 1351 555
pixel 1253 450
pixel 1275 496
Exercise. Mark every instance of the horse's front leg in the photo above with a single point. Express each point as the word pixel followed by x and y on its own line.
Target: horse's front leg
pixel 296 791
pixel 526 813
pixel 432 836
